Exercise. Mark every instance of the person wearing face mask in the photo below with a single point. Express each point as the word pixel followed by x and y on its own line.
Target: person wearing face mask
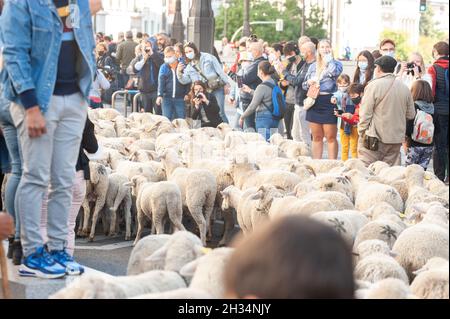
pixel 323 123
pixel 364 69
pixel 147 67
pixel 350 118
pixel 387 47
pixel 295 63
pixel 414 70
pixel 385 109
pixel 170 91
pixel 206 109
pixel 202 66
pixel 262 102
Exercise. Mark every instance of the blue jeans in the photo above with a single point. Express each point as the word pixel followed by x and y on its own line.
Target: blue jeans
pixel 441 145
pixel 220 97
pixel 12 143
pixel 173 108
pixel 266 125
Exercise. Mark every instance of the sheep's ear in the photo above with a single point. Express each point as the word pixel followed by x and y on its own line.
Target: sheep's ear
pixel 393 254
pixel 158 256
pixel 189 269
pixel 310 169
pixel 257 167
pixel 255 196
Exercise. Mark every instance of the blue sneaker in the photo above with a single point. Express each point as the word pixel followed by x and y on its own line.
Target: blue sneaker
pixel 64 259
pixel 41 265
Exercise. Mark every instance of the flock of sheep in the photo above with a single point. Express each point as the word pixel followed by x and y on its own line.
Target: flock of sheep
pixel 395 218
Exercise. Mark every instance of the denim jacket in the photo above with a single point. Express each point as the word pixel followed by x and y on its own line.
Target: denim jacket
pixel 210 67
pixel 329 77
pixel 30 37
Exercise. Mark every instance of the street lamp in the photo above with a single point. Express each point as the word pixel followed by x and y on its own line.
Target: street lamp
pixel 246 31
pixel 226 6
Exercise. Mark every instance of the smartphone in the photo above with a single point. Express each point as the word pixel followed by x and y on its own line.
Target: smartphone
pixel 340 112
pixel 240 82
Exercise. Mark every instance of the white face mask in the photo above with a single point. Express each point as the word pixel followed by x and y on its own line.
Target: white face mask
pixel 170 60
pixel 343 89
pixel 190 55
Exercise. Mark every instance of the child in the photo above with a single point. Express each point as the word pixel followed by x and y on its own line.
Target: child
pixel 341 96
pixel 420 131
pixel 349 121
pixel 289 266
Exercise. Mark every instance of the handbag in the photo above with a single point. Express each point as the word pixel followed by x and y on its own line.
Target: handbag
pixel 371 142
pixel 313 93
pixel 213 83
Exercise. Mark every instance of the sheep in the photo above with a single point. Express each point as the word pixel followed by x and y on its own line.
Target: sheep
pixel 119 191
pixel 131 169
pixel 340 200
pixel 375 263
pixel 108 114
pixel 382 229
pixel 207 271
pixel 433 213
pixel 304 171
pixel 198 190
pixel 157 201
pixel 143 156
pixel 290 205
pixel 182 293
pixel 333 182
pixel 96 190
pixel 101 286
pixel 431 281
pixel 105 129
pixel 141 144
pixel 369 193
pixel 419 243
pixel 164 252
pixel 170 140
pixel 324 165
pixel 390 288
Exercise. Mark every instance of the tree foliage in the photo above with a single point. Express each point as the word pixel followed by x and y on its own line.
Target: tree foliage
pixel 263 10
pixel 401 40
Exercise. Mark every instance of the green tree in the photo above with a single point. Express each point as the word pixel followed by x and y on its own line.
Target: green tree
pixel 428 24
pixel 401 41
pixel 263 10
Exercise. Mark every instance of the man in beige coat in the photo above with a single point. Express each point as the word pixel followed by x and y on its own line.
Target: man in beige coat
pixel 386 106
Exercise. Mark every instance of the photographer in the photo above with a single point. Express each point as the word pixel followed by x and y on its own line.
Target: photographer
pixel 414 70
pixel 99 85
pixel 147 67
pixel 206 108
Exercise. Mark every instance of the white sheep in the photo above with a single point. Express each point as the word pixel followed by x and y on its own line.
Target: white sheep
pixel 332 183
pixel 157 201
pixel 119 191
pixel 340 200
pixel 182 293
pixel 164 252
pixel 131 169
pixel 390 288
pixel 419 243
pixel 290 205
pixel 101 286
pixel 381 229
pixel 198 190
pixel 432 280
pixel 207 272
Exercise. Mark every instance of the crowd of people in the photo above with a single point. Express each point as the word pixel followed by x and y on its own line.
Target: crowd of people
pixel 297 88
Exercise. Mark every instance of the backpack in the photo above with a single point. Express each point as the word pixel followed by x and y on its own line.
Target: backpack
pixel 423 131
pixel 278 109
pixel 446 78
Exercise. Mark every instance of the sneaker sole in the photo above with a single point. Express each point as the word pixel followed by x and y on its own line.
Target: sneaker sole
pixel 74 273
pixel 25 271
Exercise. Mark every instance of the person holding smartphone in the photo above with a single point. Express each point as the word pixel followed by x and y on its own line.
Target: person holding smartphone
pixel 206 108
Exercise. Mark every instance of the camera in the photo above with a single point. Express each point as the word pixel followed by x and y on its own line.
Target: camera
pixel 340 112
pixel 199 96
pixel 410 68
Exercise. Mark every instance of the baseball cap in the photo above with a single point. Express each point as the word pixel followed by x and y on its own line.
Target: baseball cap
pixel 386 63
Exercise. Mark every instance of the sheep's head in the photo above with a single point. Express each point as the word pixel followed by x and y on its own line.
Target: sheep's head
pixel 136 183
pixel 266 195
pixel 377 167
pixel 415 175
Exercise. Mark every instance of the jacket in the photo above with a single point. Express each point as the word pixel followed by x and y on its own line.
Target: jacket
pixel 30 37
pixel 168 84
pixel 211 112
pixel 125 53
pixel 388 117
pixel 329 76
pixel 148 73
pixel 262 100
pixel 437 72
pixel 297 82
pixel 210 67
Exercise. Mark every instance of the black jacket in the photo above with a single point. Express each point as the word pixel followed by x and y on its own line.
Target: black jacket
pixel 145 84
pixel 212 112
pixel 88 143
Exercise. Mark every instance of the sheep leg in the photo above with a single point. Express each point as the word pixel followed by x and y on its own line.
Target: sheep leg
pixel 127 210
pixel 175 212
pixel 208 214
pixel 87 212
pixel 112 225
pixel 98 206
pixel 158 225
pixel 141 223
pixel 229 222
pixel 197 215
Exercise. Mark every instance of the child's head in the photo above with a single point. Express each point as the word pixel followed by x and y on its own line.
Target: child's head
pixel 421 91
pixel 292 258
pixel 356 92
pixel 343 81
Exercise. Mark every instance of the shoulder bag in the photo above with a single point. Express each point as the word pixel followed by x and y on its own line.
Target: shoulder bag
pixel 312 94
pixel 214 83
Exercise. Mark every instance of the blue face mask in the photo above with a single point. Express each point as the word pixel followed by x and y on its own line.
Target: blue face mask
pixel 390 53
pixel 363 65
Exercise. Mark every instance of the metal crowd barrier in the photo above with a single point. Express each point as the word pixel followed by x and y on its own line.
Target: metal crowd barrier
pixel 126 93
